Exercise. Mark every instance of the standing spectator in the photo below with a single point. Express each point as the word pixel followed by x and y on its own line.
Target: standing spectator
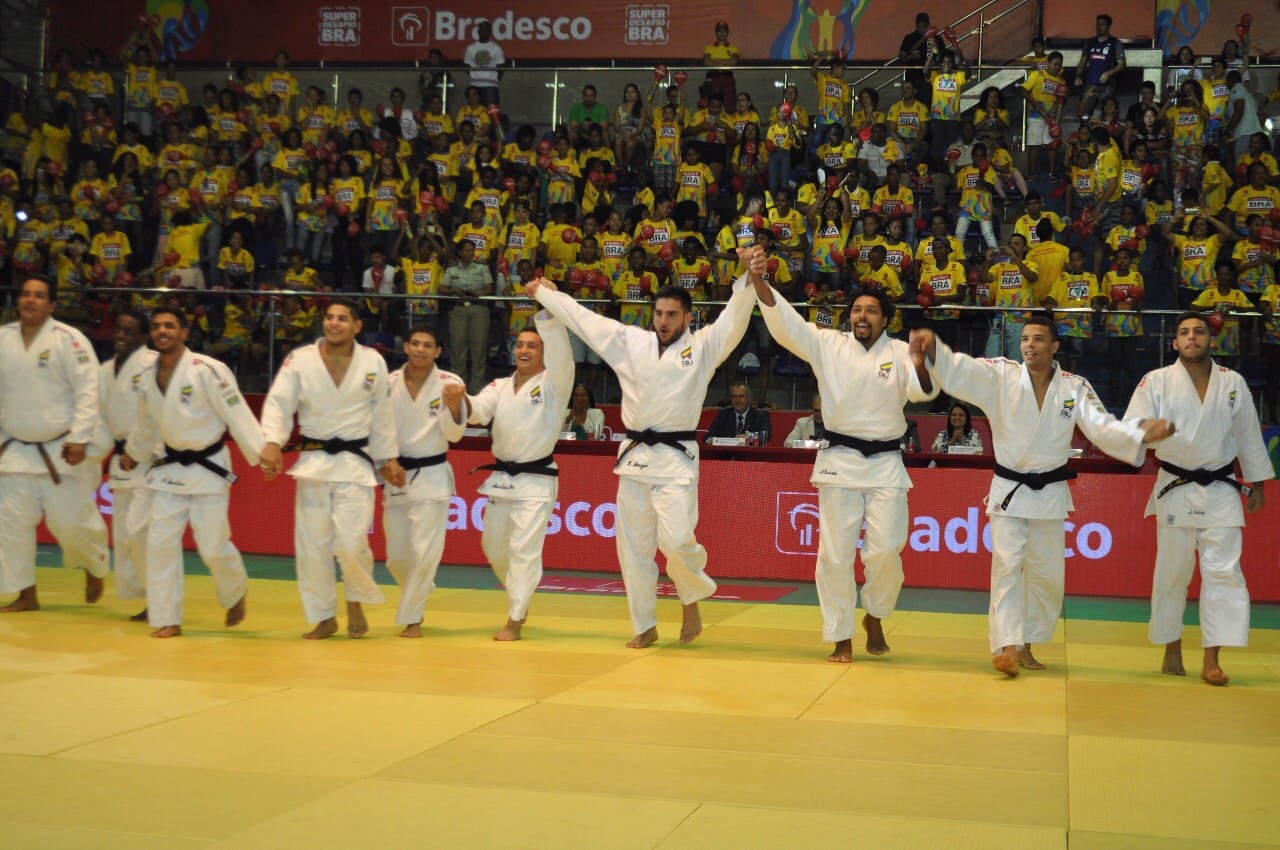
pixel 434 81
pixel 483 56
pixel 719 56
pixel 140 82
pixel 833 97
pixel 917 46
pixel 469 318
pixel 1101 60
pixel 947 77
pixel 1242 114
pixel 628 126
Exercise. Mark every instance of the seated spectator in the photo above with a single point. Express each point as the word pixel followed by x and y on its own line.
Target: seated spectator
pixel 740 419
pixel 583 418
pixel 808 427
pixel 959 430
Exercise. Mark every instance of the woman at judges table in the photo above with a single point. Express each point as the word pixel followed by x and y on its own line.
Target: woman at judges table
pixel 959 431
pixel 583 418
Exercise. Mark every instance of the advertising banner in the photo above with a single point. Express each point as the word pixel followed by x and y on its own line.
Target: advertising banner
pixel 769 530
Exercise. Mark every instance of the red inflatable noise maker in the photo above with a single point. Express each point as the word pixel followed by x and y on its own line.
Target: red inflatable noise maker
pixel 1217 319
pixel 925 297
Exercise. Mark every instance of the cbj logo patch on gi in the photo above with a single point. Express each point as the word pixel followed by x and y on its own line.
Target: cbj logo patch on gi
pixel 434 405
pixel 686 357
pixel 1231 400
pixel 42 359
pixel 1068 407
pixel 535 395
pixel 885 369
pixel 369 378
pixel 184 394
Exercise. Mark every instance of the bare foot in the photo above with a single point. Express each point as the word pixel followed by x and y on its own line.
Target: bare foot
pixel 140 617
pixel 413 630
pixel 1028 661
pixel 167 632
pixel 692 625
pixel 92 588
pixel 843 653
pixel 1212 672
pixel 357 625
pixel 1006 661
pixel 876 644
pixel 27 601
pixel 643 639
pixel 323 629
pixel 511 631
pixel 1172 663
pixel 235 614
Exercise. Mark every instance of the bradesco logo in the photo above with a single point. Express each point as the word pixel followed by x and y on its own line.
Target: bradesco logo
pixel 580 519
pixel 450 26
pixel 796 531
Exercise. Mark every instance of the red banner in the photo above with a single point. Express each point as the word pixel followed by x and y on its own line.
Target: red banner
pixel 1110 548
pixel 565 32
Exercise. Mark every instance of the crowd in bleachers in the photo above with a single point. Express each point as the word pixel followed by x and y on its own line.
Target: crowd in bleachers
pixel 1059 191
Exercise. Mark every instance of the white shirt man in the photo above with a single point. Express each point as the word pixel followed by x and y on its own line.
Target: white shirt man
pixel 865 377
pixel 188 402
pixel 48 419
pixel 483 56
pixel 414 515
pixel 1194 499
pixel 120 389
pixel 339 391
pixel 525 410
pixel 664 374
pixel 1034 408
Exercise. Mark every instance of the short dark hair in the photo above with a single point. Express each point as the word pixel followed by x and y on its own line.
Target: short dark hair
pixel 1106 18
pixel 882 298
pixel 1044 229
pixel 1057 54
pixel 144 323
pixel 424 328
pixel 51 284
pixel 678 293
pixel 1188 315
pixel 352 307
pixel 178 316
pixel 1043 320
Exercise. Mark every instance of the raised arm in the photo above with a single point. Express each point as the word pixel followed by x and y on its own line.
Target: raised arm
pixel 605 336
pixel 557 355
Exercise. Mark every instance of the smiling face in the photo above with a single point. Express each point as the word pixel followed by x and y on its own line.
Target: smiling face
pixel 867 319
pixel 1038 347
pixel 35 305
pixel 422 350
pixel 340 325
pixel 528 354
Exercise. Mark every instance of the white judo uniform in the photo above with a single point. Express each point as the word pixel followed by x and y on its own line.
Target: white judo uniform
pixel 414 516
pixel 335 492
pixel 201 403
pixel 119 393
pixel 863 392
pixel 1201 518
pixel 662 392
pixel 1027 536
pixel 526 424
pixel 48 397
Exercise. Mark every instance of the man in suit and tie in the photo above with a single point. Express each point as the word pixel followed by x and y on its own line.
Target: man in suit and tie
pixel 740 418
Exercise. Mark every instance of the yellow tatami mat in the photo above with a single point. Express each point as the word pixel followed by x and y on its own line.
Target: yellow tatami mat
pixel 252 739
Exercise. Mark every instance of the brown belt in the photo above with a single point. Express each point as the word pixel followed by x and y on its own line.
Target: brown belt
pixel 44 455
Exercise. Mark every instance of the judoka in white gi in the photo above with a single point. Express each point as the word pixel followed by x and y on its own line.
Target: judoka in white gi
pixel 339 391
pixel 525 411
pixel 664 374
pixel 1033 408
pixel 1196 496
pixel 864 377
pixel 119 391
pixel 414 516
pixel 188 402
pixel 48 462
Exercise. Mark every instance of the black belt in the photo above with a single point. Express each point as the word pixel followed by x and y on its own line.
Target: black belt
pixel 867 447
pixel 119 446
pixel 44 455
pixel 408 464
pixel 197 457
pixel 541 466
pixel 334 446
pixel 1034 480
pixel 1203 477
pixel 650 437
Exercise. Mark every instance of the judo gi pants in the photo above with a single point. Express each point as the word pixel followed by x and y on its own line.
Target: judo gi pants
pixel 514 530
pixel 1028 567
pixel 332 520
pixel 131 513
pixel 415 543
pixel 1224 599
pixel 652 517
pixel 69 510
pixel 841 511
pixel 170 513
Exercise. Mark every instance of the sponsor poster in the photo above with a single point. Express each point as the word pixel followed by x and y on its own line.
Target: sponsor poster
pixel 560 33
pixel 769 530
